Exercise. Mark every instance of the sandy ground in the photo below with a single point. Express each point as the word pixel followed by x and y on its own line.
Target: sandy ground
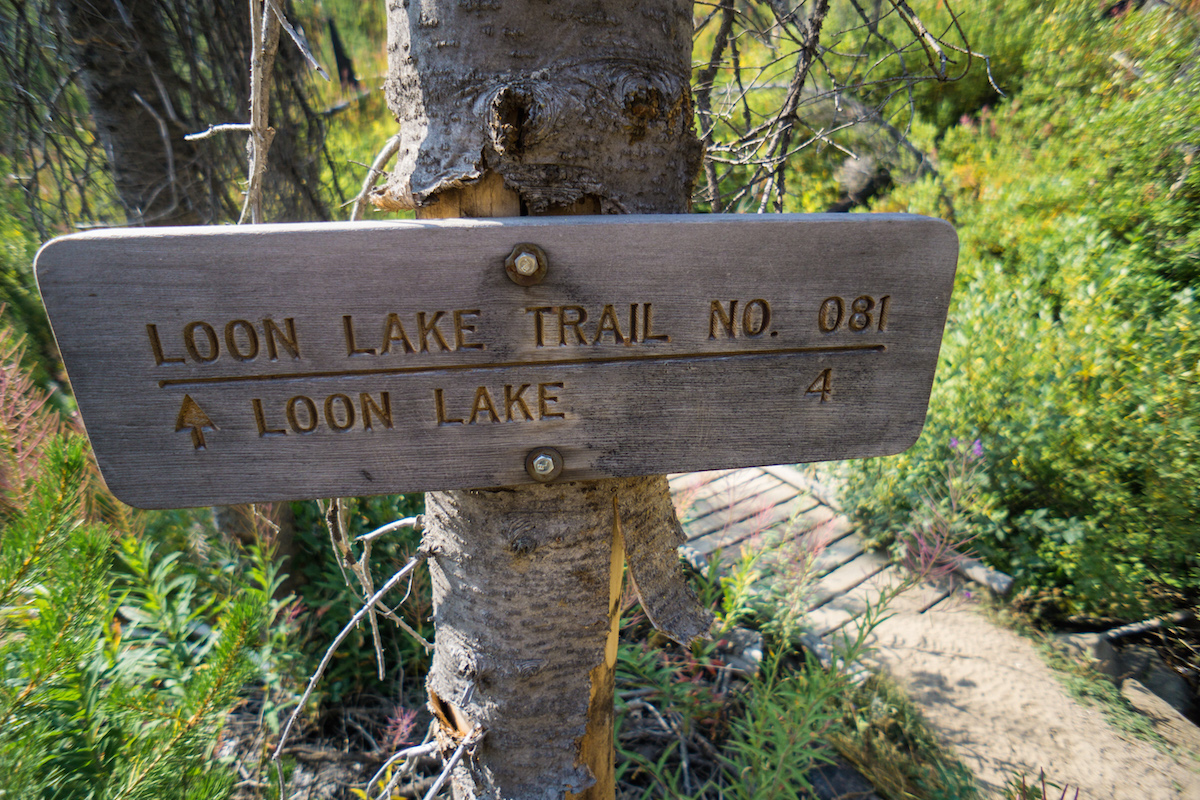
pixel 990 696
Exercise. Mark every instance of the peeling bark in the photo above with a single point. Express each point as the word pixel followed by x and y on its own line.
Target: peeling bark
pixel 565 100
pixel 652 538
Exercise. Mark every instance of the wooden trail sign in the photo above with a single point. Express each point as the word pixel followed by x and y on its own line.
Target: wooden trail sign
pixel 229 365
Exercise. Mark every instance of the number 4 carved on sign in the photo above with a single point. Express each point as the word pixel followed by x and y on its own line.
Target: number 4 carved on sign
pixel 823 385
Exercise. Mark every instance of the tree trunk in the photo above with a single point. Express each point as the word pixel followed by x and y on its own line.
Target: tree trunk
pixel 154 71
pixel 133 88
pixel 125 64
pixel 506 112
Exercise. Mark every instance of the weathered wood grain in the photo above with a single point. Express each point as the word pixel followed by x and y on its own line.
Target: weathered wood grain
pixel 841 580
pixel 842 609
pixel 766 528
pixel 228 365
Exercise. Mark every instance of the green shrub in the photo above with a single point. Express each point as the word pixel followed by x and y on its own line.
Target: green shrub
pixel 116 678
pixel 18 289
pixel 1071 350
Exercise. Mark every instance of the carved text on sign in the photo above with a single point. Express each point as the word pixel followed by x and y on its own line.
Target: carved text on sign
pixel 566 326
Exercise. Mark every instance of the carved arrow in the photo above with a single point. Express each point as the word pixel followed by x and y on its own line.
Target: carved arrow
pixel 191 415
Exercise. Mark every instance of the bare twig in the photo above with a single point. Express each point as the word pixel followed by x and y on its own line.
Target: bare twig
pixel 229 127
pixel 301 42
pixel 357 618
pixel 452 763
pixel 704 86
pixel 928 40
pixel 806 75
pixel 407 522
pixel 407 754
pixel 374 172
pixel 361 569
pixel 165 135
pixel 264 29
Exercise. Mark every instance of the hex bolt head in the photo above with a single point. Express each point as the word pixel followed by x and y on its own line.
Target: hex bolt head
pixel 526 265
pixel 544 464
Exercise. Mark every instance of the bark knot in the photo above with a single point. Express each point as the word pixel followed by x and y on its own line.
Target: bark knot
pixel 518 115
pixel 522 545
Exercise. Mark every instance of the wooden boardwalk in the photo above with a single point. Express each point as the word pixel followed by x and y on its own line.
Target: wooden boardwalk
pixel 797 524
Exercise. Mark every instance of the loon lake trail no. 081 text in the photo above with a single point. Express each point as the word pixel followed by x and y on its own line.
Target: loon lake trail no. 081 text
pixel 228 365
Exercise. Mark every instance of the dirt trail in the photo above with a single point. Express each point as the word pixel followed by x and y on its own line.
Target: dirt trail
pixel 986 691
pixel 983 688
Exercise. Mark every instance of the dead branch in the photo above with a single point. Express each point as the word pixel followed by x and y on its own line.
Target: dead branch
pixel 264 30
pixel 374 173
pixel 316 677
pixel 229 127
pixel 300 41
pixel 814 68
pixel 452 762
pixel 361 568
pixel 416 523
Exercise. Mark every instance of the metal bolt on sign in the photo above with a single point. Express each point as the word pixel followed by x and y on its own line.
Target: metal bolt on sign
pixel 526 265
pixel 544 464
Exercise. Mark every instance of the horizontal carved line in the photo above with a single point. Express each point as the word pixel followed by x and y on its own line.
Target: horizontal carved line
pixel 571 362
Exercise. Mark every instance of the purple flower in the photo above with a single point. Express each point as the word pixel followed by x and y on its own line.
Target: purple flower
pixel 977 449
pixel 953 442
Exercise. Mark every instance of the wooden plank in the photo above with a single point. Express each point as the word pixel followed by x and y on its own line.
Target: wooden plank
pixel 742 502
pixel 693 509
pixel 830 530
pixel 837 553
pixel 777 523
pixel 844 608
pixel 791 475
pixel 831 536
pixel 841 580
pixel 916 600
pixel 718 494
pixel 270 362
pixel 975 570
pixel 782 564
